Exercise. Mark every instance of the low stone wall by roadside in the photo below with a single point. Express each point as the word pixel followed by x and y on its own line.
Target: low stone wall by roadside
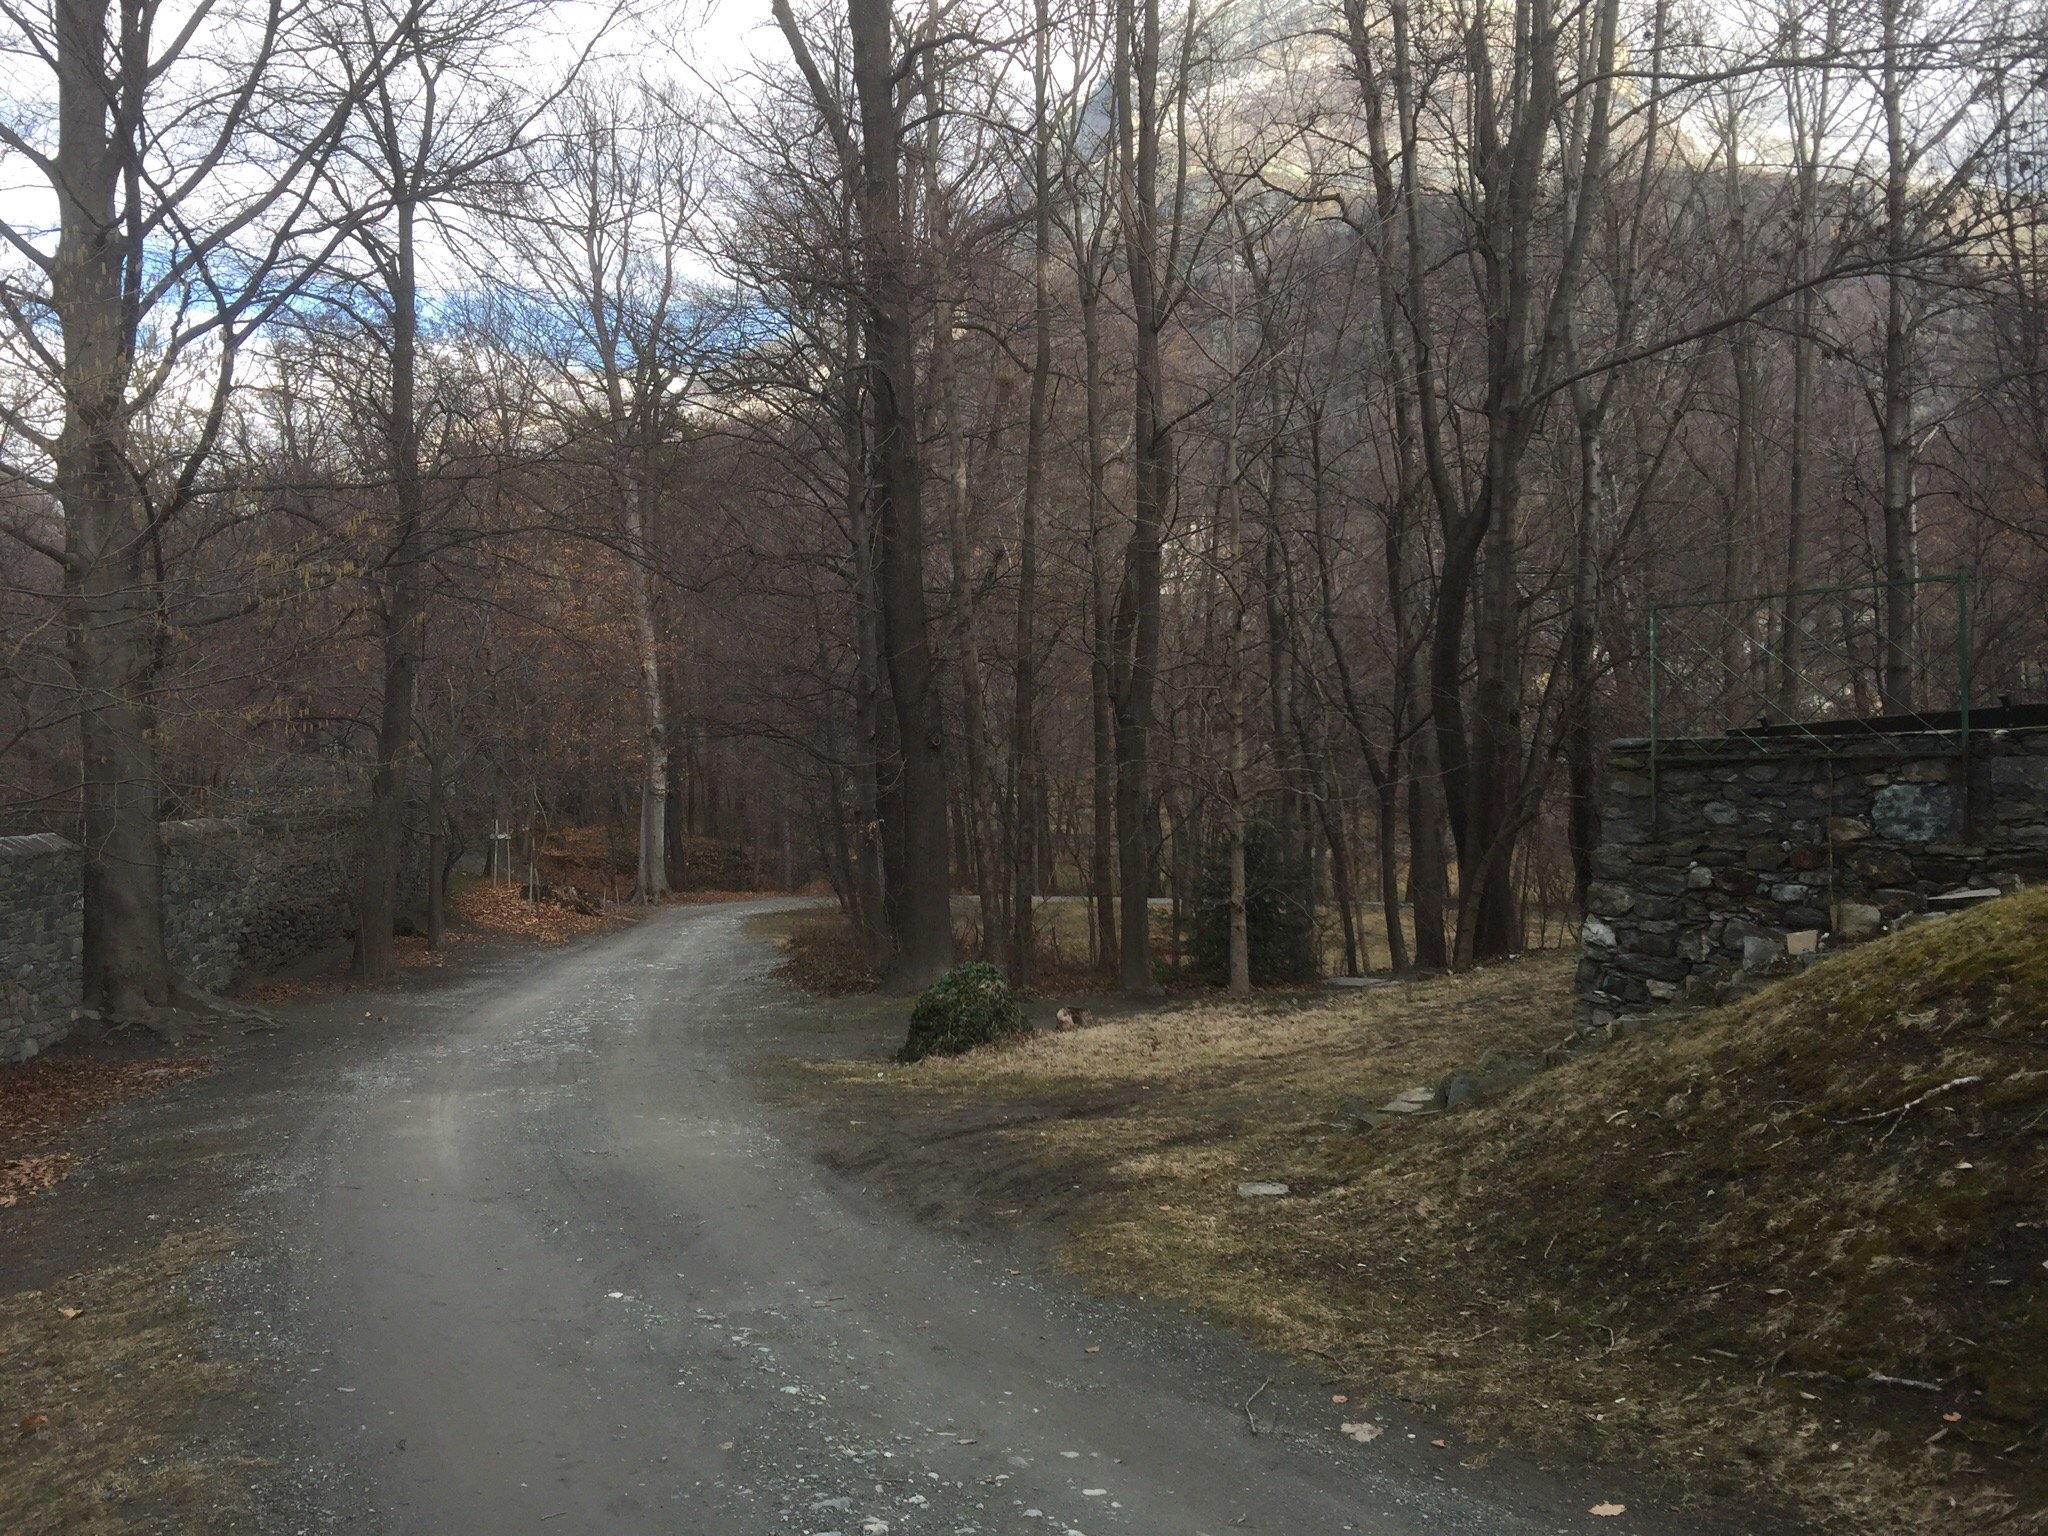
pixel 1750 841
pixel 242 897
pixel 42 936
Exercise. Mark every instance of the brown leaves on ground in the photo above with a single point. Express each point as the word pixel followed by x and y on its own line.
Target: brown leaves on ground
pixel 50 1097
pixel 109 1380
pixel 407 952
pixel 824 958
pixel 22 1177
pixel 503 909
pixel 47 1097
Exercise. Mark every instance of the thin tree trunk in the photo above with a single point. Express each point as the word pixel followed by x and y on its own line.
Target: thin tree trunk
pixel 1136 628
pixel 870 753
pixel 1428 867
pixel 437 841
pixel 1240 980
pixel 1102 728
pixel 1027 777
pixel 1792 618
pixel 1900 554
pixel 651 884
pixel 401 613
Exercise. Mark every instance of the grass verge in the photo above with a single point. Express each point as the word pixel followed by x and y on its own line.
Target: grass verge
pixel 109 1379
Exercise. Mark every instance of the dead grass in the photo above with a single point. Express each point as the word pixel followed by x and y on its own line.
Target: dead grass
pixel 108 1382
pixel 1306 1050
pixel 1690 1251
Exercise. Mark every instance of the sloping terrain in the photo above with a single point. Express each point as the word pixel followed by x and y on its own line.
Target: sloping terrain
pixel 1794 1250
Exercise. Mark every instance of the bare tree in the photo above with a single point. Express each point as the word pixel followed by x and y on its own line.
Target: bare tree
pixel 602 224
pixel 174 155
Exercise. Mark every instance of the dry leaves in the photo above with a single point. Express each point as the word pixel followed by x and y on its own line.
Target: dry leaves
pixel 52 1095
pixel 494 908
pixel 22 1177
pixel 1608 1509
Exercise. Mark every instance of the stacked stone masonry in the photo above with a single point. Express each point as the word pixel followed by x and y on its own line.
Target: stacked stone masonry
pixel 1747 841
pixel 243 897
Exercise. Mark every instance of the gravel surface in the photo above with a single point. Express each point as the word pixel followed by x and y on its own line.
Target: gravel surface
pixel 524 1251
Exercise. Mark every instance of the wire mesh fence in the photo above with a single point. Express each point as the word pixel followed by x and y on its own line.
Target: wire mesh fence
pixel 1833 665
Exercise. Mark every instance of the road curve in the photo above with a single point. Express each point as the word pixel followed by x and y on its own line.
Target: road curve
pixel 556 1270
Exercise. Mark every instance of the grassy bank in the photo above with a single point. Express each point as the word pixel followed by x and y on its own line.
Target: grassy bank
pixel 1791 1250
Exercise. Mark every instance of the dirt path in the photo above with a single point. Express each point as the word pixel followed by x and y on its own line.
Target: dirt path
pixel 535 1258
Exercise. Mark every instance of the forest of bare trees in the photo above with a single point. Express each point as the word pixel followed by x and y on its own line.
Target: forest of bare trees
pixel 999 448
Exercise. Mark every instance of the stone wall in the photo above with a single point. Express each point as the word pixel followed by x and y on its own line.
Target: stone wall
pixel 42 928
pixel 1755 843
pixel 242 897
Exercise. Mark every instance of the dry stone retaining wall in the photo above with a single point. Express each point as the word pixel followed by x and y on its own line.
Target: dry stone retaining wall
pixel 242 897
pixel 1749 840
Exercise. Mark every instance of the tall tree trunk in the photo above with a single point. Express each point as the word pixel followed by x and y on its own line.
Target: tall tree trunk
pixel 1026 775
pixel 977 792
pixel 1136 626
pixel 924 924
pixel 401 612
pixel 127 973
pixel 872 900
pixel 1792 616
pixel 1229 559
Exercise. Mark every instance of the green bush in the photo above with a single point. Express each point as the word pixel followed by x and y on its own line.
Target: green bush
pixel 1279 928
pixel 968 1006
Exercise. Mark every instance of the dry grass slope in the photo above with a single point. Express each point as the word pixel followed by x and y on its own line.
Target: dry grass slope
pixel 1717 1247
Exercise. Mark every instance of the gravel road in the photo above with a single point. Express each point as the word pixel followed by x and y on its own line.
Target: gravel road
pixel 543 1261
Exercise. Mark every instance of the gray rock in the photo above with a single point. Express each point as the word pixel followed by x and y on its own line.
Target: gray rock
pixel 1460 1088
pixel 1913 813
pixel 1260 1189
pixel 1760 951
pixel 1605 899
pixel 1969 896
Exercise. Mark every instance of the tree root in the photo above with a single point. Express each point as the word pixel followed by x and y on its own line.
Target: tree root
pixel 171 1021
